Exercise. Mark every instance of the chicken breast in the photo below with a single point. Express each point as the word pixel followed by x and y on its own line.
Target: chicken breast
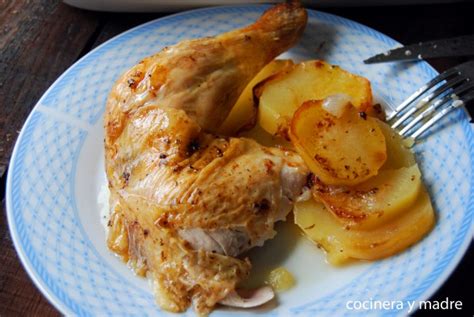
pixel 184 201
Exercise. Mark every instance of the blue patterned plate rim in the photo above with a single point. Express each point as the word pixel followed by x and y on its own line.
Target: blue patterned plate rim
pixel 428 287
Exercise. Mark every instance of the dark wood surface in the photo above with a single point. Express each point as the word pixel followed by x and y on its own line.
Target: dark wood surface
pixel 41 39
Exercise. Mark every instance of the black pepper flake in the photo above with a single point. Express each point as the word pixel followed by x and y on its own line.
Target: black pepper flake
pixel 363 115
pixel 321 46
pixel 262 206
pixel 132 83
pixel 145 232
pixel 310 180
pixel 193 146
pixel 126 176
pixel 163 221
pixel 162 156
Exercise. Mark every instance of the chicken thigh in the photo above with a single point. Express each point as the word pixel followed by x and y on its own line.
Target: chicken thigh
pixel 184 201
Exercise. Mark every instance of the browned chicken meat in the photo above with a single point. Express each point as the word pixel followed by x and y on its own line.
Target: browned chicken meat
pixel 186 202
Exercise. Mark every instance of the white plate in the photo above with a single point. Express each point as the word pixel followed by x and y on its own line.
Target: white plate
pixel 56 173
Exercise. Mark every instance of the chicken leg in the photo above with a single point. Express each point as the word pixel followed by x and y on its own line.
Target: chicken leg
pixel 186 202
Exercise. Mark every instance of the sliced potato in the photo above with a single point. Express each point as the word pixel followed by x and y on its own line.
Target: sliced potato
pixel 345 150
pixel 398 155
pixel 281 95
pixel 374 202
pixel 244 111
pixel 342 244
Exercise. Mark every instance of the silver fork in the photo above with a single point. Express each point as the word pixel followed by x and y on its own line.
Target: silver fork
pixel 429 104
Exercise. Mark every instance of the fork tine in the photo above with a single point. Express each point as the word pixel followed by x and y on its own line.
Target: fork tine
pixel 428 111
pixel 454 105
pixel 408 114
pixel 422 90
pixel 438 91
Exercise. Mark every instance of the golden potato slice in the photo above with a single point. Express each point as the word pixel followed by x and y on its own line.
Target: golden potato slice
pixel 244 111
pixel 342 244
pixel 345 150
pixel 398 155
pixel 281 95
pixel 373 202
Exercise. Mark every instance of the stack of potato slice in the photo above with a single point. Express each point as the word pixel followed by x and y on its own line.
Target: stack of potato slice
pixel 373 219
pixel 369 200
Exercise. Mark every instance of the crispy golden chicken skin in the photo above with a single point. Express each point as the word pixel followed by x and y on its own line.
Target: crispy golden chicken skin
pixel 184 201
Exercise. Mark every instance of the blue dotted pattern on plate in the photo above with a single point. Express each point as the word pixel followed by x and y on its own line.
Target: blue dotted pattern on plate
pixel 41 203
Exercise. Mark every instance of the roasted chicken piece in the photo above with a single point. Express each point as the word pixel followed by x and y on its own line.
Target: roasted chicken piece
pixel 186 202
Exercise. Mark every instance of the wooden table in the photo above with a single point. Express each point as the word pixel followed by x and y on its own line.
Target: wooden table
pixel 41 39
